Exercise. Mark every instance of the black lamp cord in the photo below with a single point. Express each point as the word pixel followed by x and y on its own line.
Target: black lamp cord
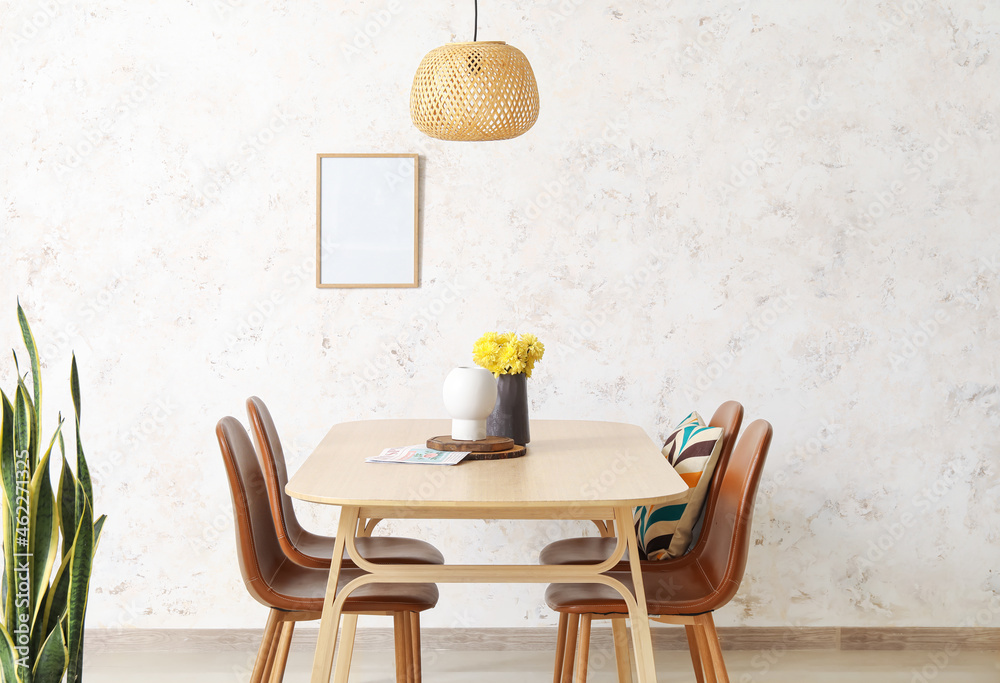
pixel 475 30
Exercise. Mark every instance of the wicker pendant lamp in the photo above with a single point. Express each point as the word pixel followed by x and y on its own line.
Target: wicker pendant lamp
pixel 474 92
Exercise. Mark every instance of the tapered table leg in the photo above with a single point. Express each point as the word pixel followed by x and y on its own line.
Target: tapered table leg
pixel 641 636
pixel 330 623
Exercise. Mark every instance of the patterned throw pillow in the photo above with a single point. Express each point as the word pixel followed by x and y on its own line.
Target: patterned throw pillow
pixel 664 531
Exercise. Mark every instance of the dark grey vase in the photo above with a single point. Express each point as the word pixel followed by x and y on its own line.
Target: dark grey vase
pixel 510 415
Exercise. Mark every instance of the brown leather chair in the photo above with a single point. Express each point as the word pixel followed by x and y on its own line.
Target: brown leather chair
pixel 686 590
pixel 304 547
pixel 293 592
pixel 590 550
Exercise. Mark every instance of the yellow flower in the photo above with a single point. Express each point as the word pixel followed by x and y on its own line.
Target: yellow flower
pixel 505 354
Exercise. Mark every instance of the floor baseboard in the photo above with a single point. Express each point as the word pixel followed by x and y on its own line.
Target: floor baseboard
pixel 542 639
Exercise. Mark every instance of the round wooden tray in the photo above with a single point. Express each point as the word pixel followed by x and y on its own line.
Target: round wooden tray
pixel 490 444
pixel 515 452
pixel 490 448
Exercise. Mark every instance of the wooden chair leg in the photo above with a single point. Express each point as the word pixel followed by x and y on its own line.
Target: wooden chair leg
pixel 269 665
pixel 408 637
pixel 281 652
pixel 570 651
pixel 267 644
pixel 345 650
pixel 399 621
pixel 704 653
pixel 714 648
pixel 623 655
pixel 415 642
pixel 560 648
pixel 583 651
pixel 699 672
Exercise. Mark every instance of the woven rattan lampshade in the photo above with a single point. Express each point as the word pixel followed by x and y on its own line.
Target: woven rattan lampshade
pixel 475 91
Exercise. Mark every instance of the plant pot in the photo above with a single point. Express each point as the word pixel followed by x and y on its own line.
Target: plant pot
pixel 510 414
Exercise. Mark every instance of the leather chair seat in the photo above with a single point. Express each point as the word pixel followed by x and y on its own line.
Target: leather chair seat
pixel 377 550
pixel 589 550
pixel 683 590
pixel 298 588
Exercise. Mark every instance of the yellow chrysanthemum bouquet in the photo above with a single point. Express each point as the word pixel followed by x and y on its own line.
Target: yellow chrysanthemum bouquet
pixel 506 354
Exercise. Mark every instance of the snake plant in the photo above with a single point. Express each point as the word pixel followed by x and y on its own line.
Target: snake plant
pixel 49 538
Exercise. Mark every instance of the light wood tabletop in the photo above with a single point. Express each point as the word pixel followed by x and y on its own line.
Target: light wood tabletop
pixel 571 466
pixel 572 470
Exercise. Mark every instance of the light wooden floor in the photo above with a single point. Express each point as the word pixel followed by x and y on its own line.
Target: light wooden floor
pixel 536 667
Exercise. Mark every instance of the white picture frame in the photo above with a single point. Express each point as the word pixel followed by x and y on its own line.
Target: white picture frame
pixel 367 220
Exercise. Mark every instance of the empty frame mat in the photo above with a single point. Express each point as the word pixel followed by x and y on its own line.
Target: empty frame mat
pixel 366 218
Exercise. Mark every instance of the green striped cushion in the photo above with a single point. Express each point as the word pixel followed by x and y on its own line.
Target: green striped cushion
pixel 692 449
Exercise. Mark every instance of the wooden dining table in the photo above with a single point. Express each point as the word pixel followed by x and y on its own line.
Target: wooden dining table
pixel 573 470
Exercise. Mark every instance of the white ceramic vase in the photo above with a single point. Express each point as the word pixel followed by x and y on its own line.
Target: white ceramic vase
pixel 469 397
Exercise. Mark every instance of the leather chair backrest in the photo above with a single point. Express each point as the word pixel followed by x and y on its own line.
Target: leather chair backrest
pixel 728 416
pixel 257 546
pixel 722 550
pixel 272 460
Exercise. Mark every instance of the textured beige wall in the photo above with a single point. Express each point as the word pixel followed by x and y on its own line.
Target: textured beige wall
pixel 790 204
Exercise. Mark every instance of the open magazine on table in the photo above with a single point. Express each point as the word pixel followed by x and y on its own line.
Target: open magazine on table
pixel 419 455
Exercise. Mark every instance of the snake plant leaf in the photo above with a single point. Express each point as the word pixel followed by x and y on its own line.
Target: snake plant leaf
pixel 34 434
pixel 36 373
pixel 56 598
pixel 82 470
pixel 74 387
pixel 66 493
pixel 22 425
pixel 43 537
pixel 79 585
pixel 7 448
pixel 50 664
pixel 98 528
pixel 8 659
